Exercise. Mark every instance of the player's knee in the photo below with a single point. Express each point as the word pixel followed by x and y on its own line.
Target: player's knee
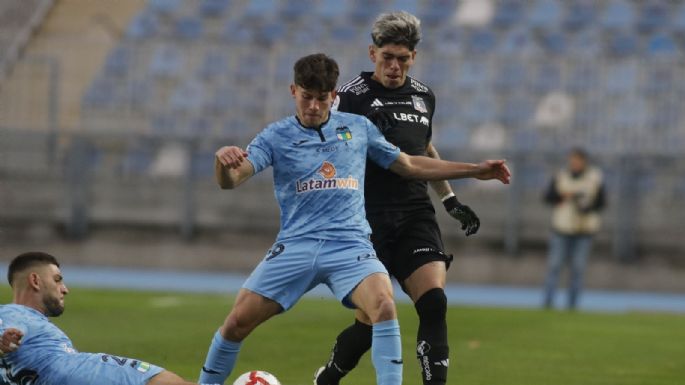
pixel 432 305
pixel 384 309
pixel 236 327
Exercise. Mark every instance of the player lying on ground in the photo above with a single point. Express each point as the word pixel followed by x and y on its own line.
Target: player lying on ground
pixel 405 233
pixel 319 161
pixel 36 352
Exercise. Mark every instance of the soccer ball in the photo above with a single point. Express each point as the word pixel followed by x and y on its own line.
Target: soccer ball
pixel 257 377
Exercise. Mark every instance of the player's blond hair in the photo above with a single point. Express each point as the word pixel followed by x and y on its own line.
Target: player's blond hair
pixel 401 28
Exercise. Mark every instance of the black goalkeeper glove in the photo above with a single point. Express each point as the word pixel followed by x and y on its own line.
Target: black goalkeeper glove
pixel 469 221
pixel 382 119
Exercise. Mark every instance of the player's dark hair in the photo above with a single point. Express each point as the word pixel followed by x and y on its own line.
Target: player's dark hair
pixel 316 72
pixel 579 152
pixel 28 260
pixel 401 28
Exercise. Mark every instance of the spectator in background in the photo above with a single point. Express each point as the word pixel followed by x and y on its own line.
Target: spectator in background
pixel 577 195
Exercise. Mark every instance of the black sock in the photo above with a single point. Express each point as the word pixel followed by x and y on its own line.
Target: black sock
pixel 350 346
pixel 432 348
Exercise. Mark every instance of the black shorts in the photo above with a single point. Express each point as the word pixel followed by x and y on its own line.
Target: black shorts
pixel 405 241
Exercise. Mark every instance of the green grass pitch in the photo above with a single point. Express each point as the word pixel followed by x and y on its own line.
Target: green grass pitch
pixel 488 346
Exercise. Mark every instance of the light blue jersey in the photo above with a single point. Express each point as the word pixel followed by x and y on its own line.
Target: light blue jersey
pixel 319 174
pixel 46 356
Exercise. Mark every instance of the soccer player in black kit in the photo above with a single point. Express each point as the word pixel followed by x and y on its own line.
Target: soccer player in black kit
pixel 405 234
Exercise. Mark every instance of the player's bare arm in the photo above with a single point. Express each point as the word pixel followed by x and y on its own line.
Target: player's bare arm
pixel 428 169
pixel 231 167
pixel 441 187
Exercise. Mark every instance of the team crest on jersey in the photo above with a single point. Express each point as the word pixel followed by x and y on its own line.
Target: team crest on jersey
pixel 327 171
pixel 343 133
pixel 419 104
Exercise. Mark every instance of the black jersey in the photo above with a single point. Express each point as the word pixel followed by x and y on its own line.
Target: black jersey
pixel 412 105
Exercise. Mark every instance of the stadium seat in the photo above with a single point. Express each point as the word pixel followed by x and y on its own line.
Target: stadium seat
pixel 653 15
pixel 118 62
pixel 622 43
pixel 165 7
pixel 102 93
pixel 579 14
pixel 477 109
pixel 546 77
pixel 665 114
pixel 436 12
pixel 163 124
pixel 223 99
pixel 142 26
pixel 618 15
pixel 363 12
pixel 511 75
pixel 553 41
pixel 330 10
pixel 238 33
pixel 167 62
pixel 137 159
pixel 661 79
pixel 410 6
pixel 628 113
pixel 662 45
pixel 516 111
pixel 344 33
pixel 295 9
pixel 586 43
pixel 270 33
pixel 213 8
pixel 509 13
pixel 518 41
pixel 590 113
pixel 451 40
pixel 621 78
pixel 188 28
pixel 260 9
pixel 583 76
pixel 215 64
pixel 678 20
pixel 188 97
pixel 545 14
pixel 472 74
pixel 481 41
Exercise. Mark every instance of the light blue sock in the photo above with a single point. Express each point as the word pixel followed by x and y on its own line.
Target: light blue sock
pixel 386 352
pixel 220 360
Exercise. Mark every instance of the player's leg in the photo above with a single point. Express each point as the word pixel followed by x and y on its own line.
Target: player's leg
pixel 555 259
pixel 249 311
pixel 170 378
pixel 578 254
pixel 426 286
pixel 374 297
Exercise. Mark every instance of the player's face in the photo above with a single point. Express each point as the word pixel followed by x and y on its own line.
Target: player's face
pixel 576 163
pixel 54 290
pixel 312 107
pixel 392 63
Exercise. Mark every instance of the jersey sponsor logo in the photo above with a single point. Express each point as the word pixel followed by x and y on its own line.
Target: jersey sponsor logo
pixel 419 104
pixel 366 256
pixel 343 133
pixel 376 103
pixel 329 181
pixel 299 142
pixel 414 118
pixel 359 89
pixel 418 86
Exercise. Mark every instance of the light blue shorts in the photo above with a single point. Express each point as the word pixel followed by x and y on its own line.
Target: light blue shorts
pixel 292 267
pixel 100 369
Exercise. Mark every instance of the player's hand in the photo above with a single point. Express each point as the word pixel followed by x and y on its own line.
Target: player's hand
pixel 494 169
pixel 10 341
pixel 382 119
pixel 468 219
pixel 231 156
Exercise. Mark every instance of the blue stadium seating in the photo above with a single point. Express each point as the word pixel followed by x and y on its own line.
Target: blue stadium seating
pixel 545 14
pixel 332 9
pixel 662 45
pixel 629 112
pixel 516 111
pixel 621 78
pixel 188 97
pixel 188 28
pixel 270 33
pixel 678 19
pixel 586 43
pixel 511 75
pixel 553 41
pixel 166 7
pixel 582 76
pixel 213 8
pixel 519 41
pixel 618 14
pixel 660 79
pixel 238 33
pixel 118 62
pixel 481 41
pixel 653 15
pixel 296 9
pixel 580 14
pixel 436 12
pixel 546 77
pixel 410 6
pixel 472 74
pixel 167 62
pixel 509 13
pixel 622 43
pixel 260 9
pixel 215 65
pixel 142 26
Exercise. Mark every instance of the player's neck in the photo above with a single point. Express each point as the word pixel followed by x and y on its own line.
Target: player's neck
pixel 317 127
pixel 25 299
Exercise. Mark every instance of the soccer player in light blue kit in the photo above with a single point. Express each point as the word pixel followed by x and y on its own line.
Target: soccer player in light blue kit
pixel 33 351
pixel 319 159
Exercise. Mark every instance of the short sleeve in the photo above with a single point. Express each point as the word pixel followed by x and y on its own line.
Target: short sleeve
pixel 379 150
pixel 259 152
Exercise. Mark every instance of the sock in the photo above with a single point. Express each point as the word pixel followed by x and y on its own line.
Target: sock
pixel 386 352
pixel 432 348
pixel 220 360
pixel 350 346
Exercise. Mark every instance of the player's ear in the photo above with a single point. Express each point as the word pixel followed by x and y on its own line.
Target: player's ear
pixel 33 280
pixel 372 53
pixel 293 88
pixel 334 93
